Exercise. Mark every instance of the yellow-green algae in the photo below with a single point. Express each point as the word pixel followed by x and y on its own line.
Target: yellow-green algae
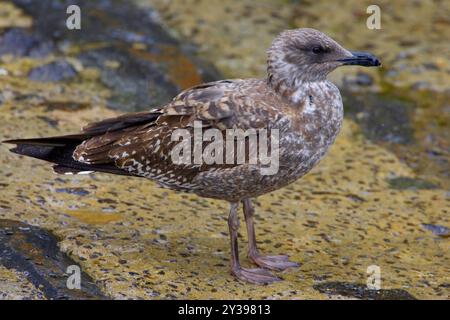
pixel 235 33
pixel 140 241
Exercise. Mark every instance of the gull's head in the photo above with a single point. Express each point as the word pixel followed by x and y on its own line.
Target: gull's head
pixel 307 55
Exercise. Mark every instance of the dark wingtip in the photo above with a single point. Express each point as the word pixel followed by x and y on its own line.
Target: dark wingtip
pixel 14 149
pixel 51 141
pixel 9 141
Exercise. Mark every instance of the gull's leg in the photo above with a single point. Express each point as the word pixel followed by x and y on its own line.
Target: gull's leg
pixel 279 262
pixel 257 276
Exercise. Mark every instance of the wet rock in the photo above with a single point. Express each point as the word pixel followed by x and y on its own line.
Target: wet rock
pixel 15 286
pixel 363 219
pixel 53 72
pixel 19 42
pixel 66 105
pixel 361 79
pixel 382 118
pixel 35 253
pixel 420 85
pixel 406 183
pixel 431 66
pixel 135 84
pixel 408 56
pixel 438 230
pixel 51 122
pixel 75 191
pixel 150 65
pixel 359 291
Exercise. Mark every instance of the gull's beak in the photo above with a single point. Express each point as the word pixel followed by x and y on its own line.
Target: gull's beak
pixel 361 59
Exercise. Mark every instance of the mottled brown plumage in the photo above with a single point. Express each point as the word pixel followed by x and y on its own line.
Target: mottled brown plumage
pixel 295 98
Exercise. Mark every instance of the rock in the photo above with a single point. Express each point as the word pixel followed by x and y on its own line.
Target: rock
pixel 34 252
pixel 364 79
pixel 152 65
pixel 359 291
pixel 406 183
pixel 135 84
pixel 438 230
pixel 15 286
pixel 431 66
pixel 361 79
pixel 53 72
pixel 358 218
pixel 382 118
pixel 19 42
pixel 75 191
pixel 420 85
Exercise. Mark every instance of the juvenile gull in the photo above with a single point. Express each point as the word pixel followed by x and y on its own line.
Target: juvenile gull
pixel 295 98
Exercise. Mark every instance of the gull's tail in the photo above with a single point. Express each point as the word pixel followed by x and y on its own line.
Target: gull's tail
pixel 59 151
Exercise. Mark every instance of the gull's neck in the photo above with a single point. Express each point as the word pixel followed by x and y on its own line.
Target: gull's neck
pixel 293 89
pixel 290 80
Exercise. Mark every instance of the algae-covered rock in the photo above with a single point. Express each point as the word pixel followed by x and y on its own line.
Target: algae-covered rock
pixel 367 203
pixel 138 60
pixel 34 253
pixel 20 42
pixel 15 286
pixel 54 71
pixel 361 291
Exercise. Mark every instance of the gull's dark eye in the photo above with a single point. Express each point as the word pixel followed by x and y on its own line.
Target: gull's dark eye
pixel 318 50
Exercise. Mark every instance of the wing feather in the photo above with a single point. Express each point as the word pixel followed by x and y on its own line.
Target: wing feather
pixel 140 143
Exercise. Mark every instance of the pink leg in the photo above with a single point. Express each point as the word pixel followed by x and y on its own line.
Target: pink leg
pixel 256 276
pixel 277 262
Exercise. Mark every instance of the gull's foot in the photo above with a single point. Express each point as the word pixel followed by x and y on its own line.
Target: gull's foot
pixel 256 276
pixel 278 263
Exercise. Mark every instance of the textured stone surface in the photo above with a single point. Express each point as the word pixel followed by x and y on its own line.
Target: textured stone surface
pixel 34 253
pixel 54 71
pixel 137 59
pixel 138 241
pixel 15 286
pixel 413 41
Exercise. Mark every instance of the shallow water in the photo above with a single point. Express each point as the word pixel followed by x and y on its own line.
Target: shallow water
pixel 371 201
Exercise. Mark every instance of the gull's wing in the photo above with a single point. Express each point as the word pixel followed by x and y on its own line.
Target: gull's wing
pixel 141 143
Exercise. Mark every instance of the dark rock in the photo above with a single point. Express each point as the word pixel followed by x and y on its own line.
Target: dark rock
pixel 54 71
pixel 405 55
pixel 75 191
pixel 148 75
pixel 19 42
pixel 360 291
pixel 64 105
pixel 364 79
pixel 51 122
pixel 361 79
pixel 135 84
pixel 34 252
pixel 382 118
pixel 406 183
pixel 420 85
pixel 438 230
pixel 431 66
